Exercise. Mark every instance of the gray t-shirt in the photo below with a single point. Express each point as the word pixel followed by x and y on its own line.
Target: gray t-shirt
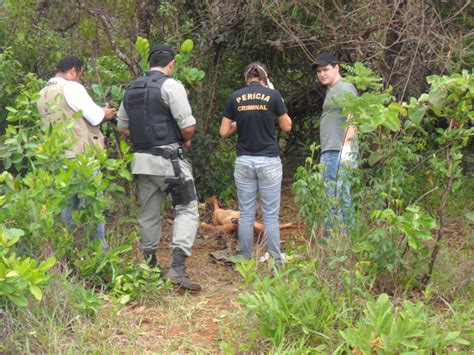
pixel 174 95
pixel 332 126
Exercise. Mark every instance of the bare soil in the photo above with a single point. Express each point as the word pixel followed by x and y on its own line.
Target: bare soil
pixel 198 322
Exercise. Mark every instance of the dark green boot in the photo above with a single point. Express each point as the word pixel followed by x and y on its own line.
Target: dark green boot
pixel 177 274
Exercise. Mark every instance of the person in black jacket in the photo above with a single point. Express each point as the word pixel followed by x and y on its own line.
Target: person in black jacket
pixel 253 112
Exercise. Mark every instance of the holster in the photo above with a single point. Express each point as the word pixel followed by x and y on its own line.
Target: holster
pixel 181 190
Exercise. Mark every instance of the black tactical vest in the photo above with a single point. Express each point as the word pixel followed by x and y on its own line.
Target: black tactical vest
pixel 150 121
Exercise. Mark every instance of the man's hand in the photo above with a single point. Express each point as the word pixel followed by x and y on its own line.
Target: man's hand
pixel 109 113
pixel 187 144
pixel 227 127
pixel 188 133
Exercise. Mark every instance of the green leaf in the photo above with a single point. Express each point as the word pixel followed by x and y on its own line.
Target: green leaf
pixel 124 299
pixel 187 46
pixel 126 175
pixel 413 242
pixel 469 215
pixel 14 232
pixel 11 109
pixel 46 265
pixel 19 300
pixel 143 47
pixel 36 292
pixel 178 58
pixel 124 147
pixel 417 115
pixel 99 90
pixel 392 121
pixel 397 107
pixel 374 158
pixel 12 118
pixel 436 98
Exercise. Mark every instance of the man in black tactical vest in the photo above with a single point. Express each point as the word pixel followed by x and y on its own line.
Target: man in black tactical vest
pixel 157 116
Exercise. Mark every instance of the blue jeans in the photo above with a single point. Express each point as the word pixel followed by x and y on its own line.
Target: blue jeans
pixel 337 187
pixel 253 175
pixel 66 217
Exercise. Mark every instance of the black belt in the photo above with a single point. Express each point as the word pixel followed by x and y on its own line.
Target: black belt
pixel 173 154
pixel 162 152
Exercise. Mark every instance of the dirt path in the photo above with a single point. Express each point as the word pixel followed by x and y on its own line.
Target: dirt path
pixel 186 322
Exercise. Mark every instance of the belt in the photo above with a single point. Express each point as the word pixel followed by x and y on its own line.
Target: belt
pixel 173 154
pixel 162 152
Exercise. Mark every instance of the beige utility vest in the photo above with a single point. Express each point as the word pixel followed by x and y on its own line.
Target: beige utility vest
pixel 58 110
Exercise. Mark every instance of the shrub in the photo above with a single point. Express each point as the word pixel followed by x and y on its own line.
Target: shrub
pixel 20 276
pixel 383 331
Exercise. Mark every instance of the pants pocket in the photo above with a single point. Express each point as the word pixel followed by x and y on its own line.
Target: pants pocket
pixel 270 173
pixel 243 171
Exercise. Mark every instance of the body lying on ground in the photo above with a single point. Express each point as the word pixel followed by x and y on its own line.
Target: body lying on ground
pixel 227 221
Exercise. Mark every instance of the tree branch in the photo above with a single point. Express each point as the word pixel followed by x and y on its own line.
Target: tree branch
pixel 108 29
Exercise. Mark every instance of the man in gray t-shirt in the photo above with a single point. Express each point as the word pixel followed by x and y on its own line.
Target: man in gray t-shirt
pixel 338 140
pixel 333 124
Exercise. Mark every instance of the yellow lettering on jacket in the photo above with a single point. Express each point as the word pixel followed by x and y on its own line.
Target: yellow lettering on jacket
pixel 253 96
pixel 252 108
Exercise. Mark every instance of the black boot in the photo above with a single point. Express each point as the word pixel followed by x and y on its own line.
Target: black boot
pixel 150 258
pixel 176 272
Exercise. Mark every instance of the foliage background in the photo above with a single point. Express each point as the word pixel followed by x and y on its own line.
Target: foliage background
pixel 402 42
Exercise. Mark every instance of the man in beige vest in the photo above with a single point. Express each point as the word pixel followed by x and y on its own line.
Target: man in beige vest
pixel 60 100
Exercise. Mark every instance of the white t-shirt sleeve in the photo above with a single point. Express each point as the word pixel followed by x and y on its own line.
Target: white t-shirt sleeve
pixel 78 99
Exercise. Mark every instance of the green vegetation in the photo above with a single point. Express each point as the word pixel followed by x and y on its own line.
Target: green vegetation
pixel 399 280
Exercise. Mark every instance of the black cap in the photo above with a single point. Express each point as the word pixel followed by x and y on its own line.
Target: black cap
pixel 162 49
pixel 323 59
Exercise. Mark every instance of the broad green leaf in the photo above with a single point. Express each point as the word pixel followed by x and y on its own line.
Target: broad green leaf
pixel 126 175
pixel 124 299
pixel 36 292
pixel 14 232
pixel 124 147
pixel 98 90
pixel 413 242
pixel 397 107
pixel 417 114
pixel 19 300
pixel 11 109
pixel 12 273
pixel 46 265
pixel 436 98
pixel 187 46
pixel 143 47
pixel 392 121
pixel 12 118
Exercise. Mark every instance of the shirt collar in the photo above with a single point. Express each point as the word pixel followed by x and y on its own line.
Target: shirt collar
pixel 157 69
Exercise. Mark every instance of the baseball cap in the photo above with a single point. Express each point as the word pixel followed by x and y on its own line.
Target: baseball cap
pixel 162 49
pixel 323 59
